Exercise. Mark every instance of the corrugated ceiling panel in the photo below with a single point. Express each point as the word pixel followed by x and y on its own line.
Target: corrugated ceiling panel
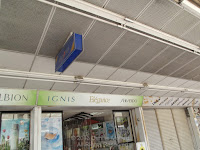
pixel 11 83
pixel 192 74
pixel 154 79
pixel 136 92
pixel 197 78
pixel 160 93
pixel 144 55
pixel 22 24
pixel 179 94
pixel 153 132
pixel 122 75
pixel 194 35
pixel 162 59
pixel 44 65
pixel 96 2
pixel 105 89
pixel 183 130
pixel 78 69
pixel 176 64
pixel 166 81
pixel 121 91
pixel 149 92
pixel 188 84
pixel 62 24
pixel 178 82
pixel 64 86
pixel 44 85
pixel 86 88
pixel 196 86
pixel 159 13
pixel 128 8
pixel 97 42
pixel 167 129
pixel 187 95
pixel 170 94
pixel 139 77
pixel 180 24
pixel 101 72
pixel 16 61
pixel 127 45
pixel 187 68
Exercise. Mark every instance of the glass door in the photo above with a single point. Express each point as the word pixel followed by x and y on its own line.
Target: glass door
pixel 15 132
pixel 124 130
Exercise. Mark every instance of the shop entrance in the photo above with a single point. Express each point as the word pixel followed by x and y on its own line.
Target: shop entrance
pixel 87 130
pixel 97 130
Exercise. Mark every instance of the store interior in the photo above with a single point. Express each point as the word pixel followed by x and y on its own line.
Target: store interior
pixel 70 129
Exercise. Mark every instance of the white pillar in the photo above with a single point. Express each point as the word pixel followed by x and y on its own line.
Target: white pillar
pixel 139 124
pixel 193 128
pixel 35 134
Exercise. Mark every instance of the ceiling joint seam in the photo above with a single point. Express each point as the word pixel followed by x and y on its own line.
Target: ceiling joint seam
pixel 190 71
pixel 162 51
pixel 114 23
pixel 47 25
pixel 184 65
pixel 170 62
pixel 190 29
pixel 89 28
pixel 52 12
pixel 111 47
pixel 134 53
pixel 178 57
pixel 106 3
pixel 147 41
pixel 195 76
pixel 113 44
pixel 144 9
pixel 172 18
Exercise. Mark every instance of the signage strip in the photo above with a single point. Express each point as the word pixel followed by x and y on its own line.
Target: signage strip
pixel 51 98
pixel 16 97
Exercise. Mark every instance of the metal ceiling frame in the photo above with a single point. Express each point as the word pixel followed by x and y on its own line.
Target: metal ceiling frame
pixel 103 15
pixel 14 74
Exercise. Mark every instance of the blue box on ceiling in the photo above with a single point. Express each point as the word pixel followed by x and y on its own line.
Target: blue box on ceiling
pixel 71 50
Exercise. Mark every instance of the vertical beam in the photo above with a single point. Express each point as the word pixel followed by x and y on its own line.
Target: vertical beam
pixel 139 124
pixel 193 127
pixel 35 138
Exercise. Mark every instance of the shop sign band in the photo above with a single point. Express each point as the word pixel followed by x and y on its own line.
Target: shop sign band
pixel 17 97
pixel 150 101
pixel 53 98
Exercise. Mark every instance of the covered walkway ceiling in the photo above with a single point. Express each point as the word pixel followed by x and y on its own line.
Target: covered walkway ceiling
pixel 32 33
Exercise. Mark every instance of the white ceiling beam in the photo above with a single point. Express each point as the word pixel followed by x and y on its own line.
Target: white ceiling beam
pixel 14 74
pixel 106 16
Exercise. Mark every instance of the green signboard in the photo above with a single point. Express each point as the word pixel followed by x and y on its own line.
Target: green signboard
pixel 53 98
pixel 17 97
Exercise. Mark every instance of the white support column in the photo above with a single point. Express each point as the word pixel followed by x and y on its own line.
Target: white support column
pixel 193 128
pixel 35 135
pixel 139 124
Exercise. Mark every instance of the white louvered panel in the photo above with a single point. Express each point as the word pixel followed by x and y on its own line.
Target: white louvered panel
pixel 183 130
pixel 152 129
pixel 167 129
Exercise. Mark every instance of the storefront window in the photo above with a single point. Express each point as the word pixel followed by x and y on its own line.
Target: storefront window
pixel 51 131
pixel 97 130
pixel 15 131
